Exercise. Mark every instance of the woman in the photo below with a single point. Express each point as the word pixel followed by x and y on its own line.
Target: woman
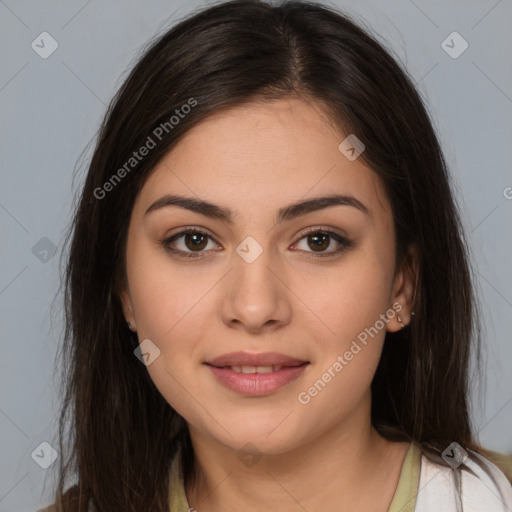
pixel 268 291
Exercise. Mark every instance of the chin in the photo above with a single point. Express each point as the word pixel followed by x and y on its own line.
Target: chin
pixel 258 440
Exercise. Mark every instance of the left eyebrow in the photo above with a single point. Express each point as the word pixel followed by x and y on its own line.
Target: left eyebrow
pixel 289 212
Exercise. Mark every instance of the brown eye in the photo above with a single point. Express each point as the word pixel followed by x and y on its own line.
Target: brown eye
pixel 187 243
pixel 192 243
pixel 195 241
pixel 319 240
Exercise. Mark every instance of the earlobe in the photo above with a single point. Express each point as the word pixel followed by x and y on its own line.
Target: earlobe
pixel 404 290
pixel 126 305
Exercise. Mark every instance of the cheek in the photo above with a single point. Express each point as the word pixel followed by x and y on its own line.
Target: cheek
pixel 166 296
pixel 348 355
pixel 350 299
pixel 169 302
pixel 348 304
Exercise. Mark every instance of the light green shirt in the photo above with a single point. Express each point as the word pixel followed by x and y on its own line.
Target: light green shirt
pixel 404 499
pixel 426 484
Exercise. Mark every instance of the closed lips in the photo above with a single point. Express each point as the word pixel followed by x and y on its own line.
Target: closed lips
pixel 257 369
pixel 256 374
pixel 244 362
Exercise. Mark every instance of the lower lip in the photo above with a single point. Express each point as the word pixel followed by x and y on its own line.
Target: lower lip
pixel 257 384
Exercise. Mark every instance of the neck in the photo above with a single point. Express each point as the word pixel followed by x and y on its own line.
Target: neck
pixel 343 463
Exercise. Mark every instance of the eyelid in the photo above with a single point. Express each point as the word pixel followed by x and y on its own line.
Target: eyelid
pixel 323 229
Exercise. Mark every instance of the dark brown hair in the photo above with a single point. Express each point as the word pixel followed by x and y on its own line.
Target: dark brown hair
pixel 122 434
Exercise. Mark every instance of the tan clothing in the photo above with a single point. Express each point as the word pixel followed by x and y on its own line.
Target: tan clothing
pixel 425 484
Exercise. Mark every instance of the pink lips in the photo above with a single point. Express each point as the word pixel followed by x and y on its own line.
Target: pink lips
pixel 256 384
pixel 247 359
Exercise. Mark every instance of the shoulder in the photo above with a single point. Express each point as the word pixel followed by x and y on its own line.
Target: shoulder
pixel 475 485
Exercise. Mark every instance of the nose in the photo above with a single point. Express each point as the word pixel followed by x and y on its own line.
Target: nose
pixel 257 298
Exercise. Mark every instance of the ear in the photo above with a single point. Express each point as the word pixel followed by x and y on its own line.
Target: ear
pixel 127 306
pixel 404 289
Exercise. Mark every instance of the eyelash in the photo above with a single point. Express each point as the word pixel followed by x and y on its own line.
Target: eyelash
pixel 345 243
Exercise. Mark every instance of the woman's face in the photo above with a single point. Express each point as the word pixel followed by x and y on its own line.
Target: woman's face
pixel 259 283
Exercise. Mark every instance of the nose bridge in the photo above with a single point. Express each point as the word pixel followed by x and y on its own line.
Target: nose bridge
pixel 252 274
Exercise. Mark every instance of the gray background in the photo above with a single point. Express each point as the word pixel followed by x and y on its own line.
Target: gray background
pixel 51 108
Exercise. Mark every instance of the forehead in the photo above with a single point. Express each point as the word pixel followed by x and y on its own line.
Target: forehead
pixel 262 156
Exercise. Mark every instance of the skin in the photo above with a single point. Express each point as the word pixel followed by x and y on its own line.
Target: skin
pixel 254 160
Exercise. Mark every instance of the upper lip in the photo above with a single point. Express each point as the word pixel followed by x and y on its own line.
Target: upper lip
pixel 248 359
